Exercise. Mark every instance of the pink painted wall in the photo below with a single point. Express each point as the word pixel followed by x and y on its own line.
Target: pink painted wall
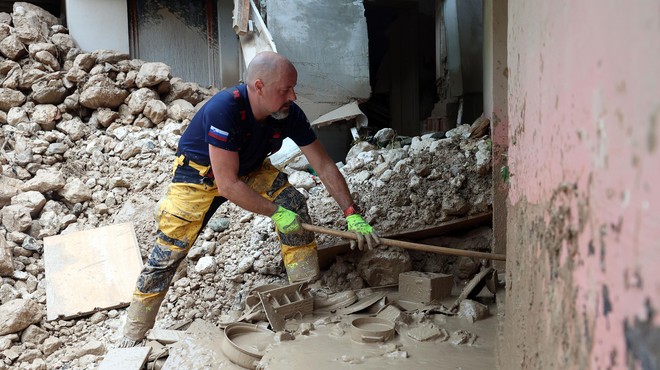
pixel 583 224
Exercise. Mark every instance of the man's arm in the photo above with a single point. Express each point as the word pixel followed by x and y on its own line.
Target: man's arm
pixel 336 184
pixel 329 173
pixel 225 171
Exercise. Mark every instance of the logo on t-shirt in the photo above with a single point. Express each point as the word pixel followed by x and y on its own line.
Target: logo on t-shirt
pixel 218 134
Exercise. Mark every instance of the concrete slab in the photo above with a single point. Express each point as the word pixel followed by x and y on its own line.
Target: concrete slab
pixel 201 349
pixel 90 270
pixel 165 336
pixel 125 358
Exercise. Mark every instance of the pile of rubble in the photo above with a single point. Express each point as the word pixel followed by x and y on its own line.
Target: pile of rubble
pixel 88 139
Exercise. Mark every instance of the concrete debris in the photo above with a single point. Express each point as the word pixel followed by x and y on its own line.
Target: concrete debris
pixel 87 139
pixel 463 337
pixel 428 332
pixel 472 311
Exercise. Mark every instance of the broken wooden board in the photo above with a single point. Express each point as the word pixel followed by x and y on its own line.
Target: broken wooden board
pixel 125 358
pixel 90 270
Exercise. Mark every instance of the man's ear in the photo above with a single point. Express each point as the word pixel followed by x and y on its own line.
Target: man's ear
pixel 258 85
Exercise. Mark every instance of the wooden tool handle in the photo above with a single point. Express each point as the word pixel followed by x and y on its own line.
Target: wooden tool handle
pixel 408 245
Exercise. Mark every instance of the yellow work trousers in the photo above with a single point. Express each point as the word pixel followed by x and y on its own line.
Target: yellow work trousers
pixel 191 199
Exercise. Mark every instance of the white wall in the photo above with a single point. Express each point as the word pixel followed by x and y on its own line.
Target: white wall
pixel 98 24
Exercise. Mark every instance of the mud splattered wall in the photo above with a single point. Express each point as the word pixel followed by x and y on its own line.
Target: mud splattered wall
pixel 583 243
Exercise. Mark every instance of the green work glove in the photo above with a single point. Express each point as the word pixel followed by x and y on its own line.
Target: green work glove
pixel 286 221
pixel 364 232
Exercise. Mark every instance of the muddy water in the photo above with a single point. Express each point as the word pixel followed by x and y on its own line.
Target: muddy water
pixel 322 351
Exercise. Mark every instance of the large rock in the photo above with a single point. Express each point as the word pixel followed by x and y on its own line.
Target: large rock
pixel 17 115
pixel 180 109
pixel 109 56
pixel 139 99
pixel 382 265
pixel 32 200
pixel 180 89
pixel 34 334
pixel 30 76
pixel 75 191
pixel 10 98
pixel 12 48
pixel 23 151
pixel 16 218
pixel 302 179
pixel 50 90
pixel 64 42
pixel 152 74
pixel 101 92
pixel 84 61
pixel 156 111
pixel 42 46
pixel 18 314
pixel 22 10
pixel 9 187
pixel 74 128
pixel 31 23
pixel 6 259
pixel 45 180
pixel 45 115
pixel 10 74
pixel 47 59
pixel 103 117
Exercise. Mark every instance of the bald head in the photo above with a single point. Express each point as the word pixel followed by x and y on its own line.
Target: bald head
pixel 271 79
pixel 266 66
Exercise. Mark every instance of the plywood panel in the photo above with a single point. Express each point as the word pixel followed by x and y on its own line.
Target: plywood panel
pixel 90 270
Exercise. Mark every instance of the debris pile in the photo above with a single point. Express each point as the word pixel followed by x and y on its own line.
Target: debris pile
pixel 88 139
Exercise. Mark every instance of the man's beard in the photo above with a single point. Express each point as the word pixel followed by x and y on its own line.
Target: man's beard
pixel 282 113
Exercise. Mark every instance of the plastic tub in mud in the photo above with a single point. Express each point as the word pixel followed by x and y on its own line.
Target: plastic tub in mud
pixel 245 344
pixel 371 330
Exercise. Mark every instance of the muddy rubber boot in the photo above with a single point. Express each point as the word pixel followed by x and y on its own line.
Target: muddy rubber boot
pixel 301 263
pixel 141 316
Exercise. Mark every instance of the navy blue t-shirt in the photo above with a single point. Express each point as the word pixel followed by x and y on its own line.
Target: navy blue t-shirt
pixel 226 121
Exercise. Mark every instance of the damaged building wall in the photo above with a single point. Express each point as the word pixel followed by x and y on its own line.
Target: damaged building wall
pixel 582 283
pixel 328 43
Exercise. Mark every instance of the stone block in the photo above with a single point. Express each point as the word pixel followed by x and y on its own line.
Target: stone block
pixel 424 287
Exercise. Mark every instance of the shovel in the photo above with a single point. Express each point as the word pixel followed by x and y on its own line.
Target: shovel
pixel 408 245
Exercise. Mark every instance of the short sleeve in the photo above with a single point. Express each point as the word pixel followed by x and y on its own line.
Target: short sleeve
pixel 221 123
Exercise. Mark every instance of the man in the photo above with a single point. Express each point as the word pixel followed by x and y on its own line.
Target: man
pixel 223 156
